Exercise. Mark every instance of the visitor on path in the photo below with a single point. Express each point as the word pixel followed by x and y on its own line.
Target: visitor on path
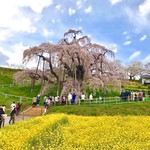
pixel 143 95
pixel 56 100
pixel 140 96
pixel 12 115
pixel 13 105
pixel 1 116
pixel 69 98
pixel 34 101
pixel 63 100
pixel 103 97
pixel 91 97
pixel 4 115
pixel 82 98
pixel 45 102
pixel 18 107
pixel 38 100
pixel 73 98
pixel 4 107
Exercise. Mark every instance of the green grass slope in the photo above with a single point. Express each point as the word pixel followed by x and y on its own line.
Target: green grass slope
pixel 8 95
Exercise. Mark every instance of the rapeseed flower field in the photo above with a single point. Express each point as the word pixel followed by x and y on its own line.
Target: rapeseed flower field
pixel 71 132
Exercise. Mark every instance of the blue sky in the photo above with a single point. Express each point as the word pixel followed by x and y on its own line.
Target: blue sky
pixel 120 25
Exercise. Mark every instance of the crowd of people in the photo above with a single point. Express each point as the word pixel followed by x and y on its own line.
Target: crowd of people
pixel 14 110
pixel 133 95
pixel 70 99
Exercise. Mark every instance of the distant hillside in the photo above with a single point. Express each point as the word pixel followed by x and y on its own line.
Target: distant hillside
pixel 6 75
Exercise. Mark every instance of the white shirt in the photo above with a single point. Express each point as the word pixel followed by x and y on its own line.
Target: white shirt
pixel 83 96
pixel 13 105
pixel 91 97
pixel 69 96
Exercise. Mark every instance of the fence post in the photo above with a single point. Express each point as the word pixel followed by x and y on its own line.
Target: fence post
pixel 6 95
pixel 79 101
pixel 41 111
pixel 23 116
pixel 20 98
pixel 116 99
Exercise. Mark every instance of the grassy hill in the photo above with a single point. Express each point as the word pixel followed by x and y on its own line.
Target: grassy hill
pixel 6 75
pixel 136 108
pixel 9 93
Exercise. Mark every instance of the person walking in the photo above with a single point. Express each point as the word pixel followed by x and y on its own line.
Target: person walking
pixel 12 115
pixel 13 105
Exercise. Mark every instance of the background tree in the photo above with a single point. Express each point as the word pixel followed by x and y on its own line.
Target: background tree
pixel 147 68
pixel 135 69
pixel 74 63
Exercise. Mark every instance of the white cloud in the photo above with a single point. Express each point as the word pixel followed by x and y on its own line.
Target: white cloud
pixel 146 59
pixel 127 43
pixel 52 20
pixel 134 55
pixel 23 25
pixel 71 11
pixel 16 56
pixel 48 33
pixel 144 8
pixel 125 33
pixel 144 37
pixel 138 18
pixel 113 2
pixel 37 6
pixel 13 19
pixel 58 7
pixel 79 4
pixel 88 10
pixel 4 34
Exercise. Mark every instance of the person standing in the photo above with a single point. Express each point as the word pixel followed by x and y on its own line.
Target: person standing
pixel 69 98
pixel 34 101
pixel 4 115
pixel 1 116
pixel 82 98
pixel 38 100
pixel 103 97
pixel 73 98
pixel 91 97
pixel 18 107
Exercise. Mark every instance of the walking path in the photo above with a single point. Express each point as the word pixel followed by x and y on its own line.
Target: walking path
pixel 27 114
